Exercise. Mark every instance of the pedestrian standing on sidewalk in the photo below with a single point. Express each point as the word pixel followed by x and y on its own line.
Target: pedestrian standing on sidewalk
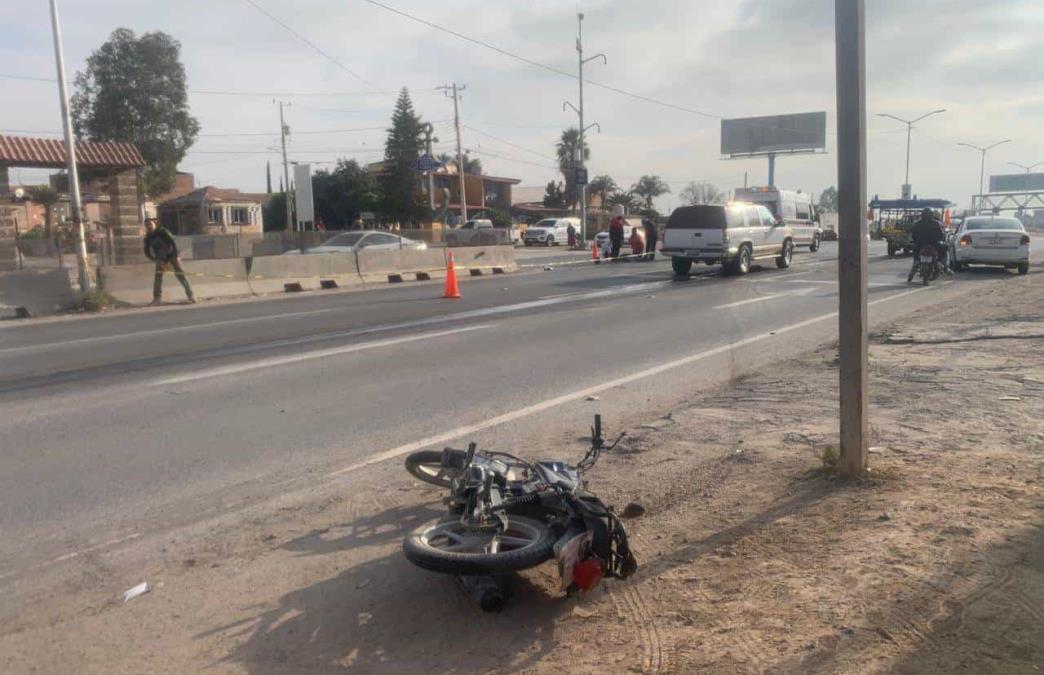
pixel 616 231
pixel 571 234
pixel 161 248
pixel 650 239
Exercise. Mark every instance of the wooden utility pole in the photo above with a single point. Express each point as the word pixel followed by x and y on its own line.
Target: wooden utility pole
pixel 850 37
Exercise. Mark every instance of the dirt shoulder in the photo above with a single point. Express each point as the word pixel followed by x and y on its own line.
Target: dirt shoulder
pixel 752 557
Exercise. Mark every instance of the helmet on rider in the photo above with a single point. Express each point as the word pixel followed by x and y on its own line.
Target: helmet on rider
pixel 926 214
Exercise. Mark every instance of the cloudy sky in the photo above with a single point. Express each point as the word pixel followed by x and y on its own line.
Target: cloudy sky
pixel 724 58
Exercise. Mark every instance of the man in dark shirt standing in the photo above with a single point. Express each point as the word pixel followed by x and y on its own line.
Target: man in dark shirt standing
pixel 161 248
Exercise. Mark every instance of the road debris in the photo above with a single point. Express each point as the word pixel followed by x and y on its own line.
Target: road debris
pixel 591 398
pixel 140 589
pixel 632 510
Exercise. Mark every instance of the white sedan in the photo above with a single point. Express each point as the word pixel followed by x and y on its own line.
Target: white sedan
pixel 990 240
pixel 348 242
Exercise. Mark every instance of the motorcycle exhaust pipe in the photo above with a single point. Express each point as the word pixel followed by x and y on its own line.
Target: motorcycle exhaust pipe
pixel 487 591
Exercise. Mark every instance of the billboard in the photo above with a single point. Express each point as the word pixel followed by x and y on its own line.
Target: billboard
pixel 303 196
pixel 801 132
pixel 1017 182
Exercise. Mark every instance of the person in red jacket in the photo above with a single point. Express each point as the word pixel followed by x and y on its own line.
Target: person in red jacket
pixel 637 243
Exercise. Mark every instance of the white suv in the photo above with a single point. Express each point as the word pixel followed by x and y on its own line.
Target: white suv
pixel 733 235
pixel 550 231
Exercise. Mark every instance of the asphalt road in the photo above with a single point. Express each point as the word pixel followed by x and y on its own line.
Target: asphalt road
pixel 145 421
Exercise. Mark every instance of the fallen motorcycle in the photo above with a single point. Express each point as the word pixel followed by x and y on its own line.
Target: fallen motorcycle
pixel 506 514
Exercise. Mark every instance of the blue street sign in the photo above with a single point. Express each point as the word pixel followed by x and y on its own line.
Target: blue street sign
pixel 426 163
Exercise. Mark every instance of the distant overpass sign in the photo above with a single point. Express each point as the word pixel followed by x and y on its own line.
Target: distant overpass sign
pixel 1017 182
pixel 775 134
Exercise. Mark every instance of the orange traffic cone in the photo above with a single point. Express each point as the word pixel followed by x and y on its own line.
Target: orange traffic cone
pixel 452 291
pixel 594 251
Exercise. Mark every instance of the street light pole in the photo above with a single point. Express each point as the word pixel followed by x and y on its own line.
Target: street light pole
pixel 1029 168
pixel 909 129
pixel 982 163
pixel 70 154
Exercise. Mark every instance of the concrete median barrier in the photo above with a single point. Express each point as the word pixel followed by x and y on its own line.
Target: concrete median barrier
pixel 407 265
pixel 270 274
pixel 209 278
pixel 38 291
pixel 478 260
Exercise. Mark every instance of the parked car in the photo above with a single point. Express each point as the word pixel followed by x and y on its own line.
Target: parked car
pixel 990 240
pixel 475 232
pixel 550 231
pixel 348 242
pixel 733 235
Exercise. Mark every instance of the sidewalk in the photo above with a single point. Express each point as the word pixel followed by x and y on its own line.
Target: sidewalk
pixel 752 557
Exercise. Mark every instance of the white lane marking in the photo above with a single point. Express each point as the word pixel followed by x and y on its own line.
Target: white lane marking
pixel 750 300
pixel 446 318
pixel 809 281
pixel 75 554
pixel 583 393
pixel 160 331
pixel 308 356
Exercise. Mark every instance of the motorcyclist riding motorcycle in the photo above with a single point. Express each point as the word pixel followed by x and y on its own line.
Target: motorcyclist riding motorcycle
pixel 927 231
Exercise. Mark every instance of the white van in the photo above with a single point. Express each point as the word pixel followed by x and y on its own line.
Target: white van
pixel 795 208
pixel 733 235
pixel 550 231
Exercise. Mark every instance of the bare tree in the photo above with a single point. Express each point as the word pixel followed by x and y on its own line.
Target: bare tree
pixel 701 193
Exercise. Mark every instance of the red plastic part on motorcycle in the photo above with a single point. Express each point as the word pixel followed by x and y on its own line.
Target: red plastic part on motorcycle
pixel 588 573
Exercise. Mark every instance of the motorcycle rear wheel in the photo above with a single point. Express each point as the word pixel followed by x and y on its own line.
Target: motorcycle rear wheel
pixel 446 545
pixel 426 465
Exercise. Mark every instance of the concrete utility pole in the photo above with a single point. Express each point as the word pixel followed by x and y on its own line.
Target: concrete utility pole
pixel 446 89
pixel 431 174
pixel 283 131
pixel 850 38
pixel 580 113
pixel 906 192
pixel 75 204
pixel 982 164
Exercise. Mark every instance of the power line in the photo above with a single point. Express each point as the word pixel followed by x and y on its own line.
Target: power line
pixel 222 92
pixel 507 142
pixel 540 65
pixel 308 42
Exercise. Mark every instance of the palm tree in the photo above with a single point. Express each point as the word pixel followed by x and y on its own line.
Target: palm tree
pixel 625 199
pixel 648 188
pixel 568 151
pixel 602 186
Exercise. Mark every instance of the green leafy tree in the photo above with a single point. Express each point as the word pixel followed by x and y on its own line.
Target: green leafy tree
pixel 701 193
pixel 134 90
pixel 828 200
pixel 500 218
pixel 403 200
pixel 568 151
pixel 648 188
pixel 275 212
pixel 48 197
pixel 601 187
pixel 554 196
pixel 343 193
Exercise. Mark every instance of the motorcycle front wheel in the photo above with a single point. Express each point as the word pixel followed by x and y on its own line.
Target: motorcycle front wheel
pixel 426 466
pixel 449 546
